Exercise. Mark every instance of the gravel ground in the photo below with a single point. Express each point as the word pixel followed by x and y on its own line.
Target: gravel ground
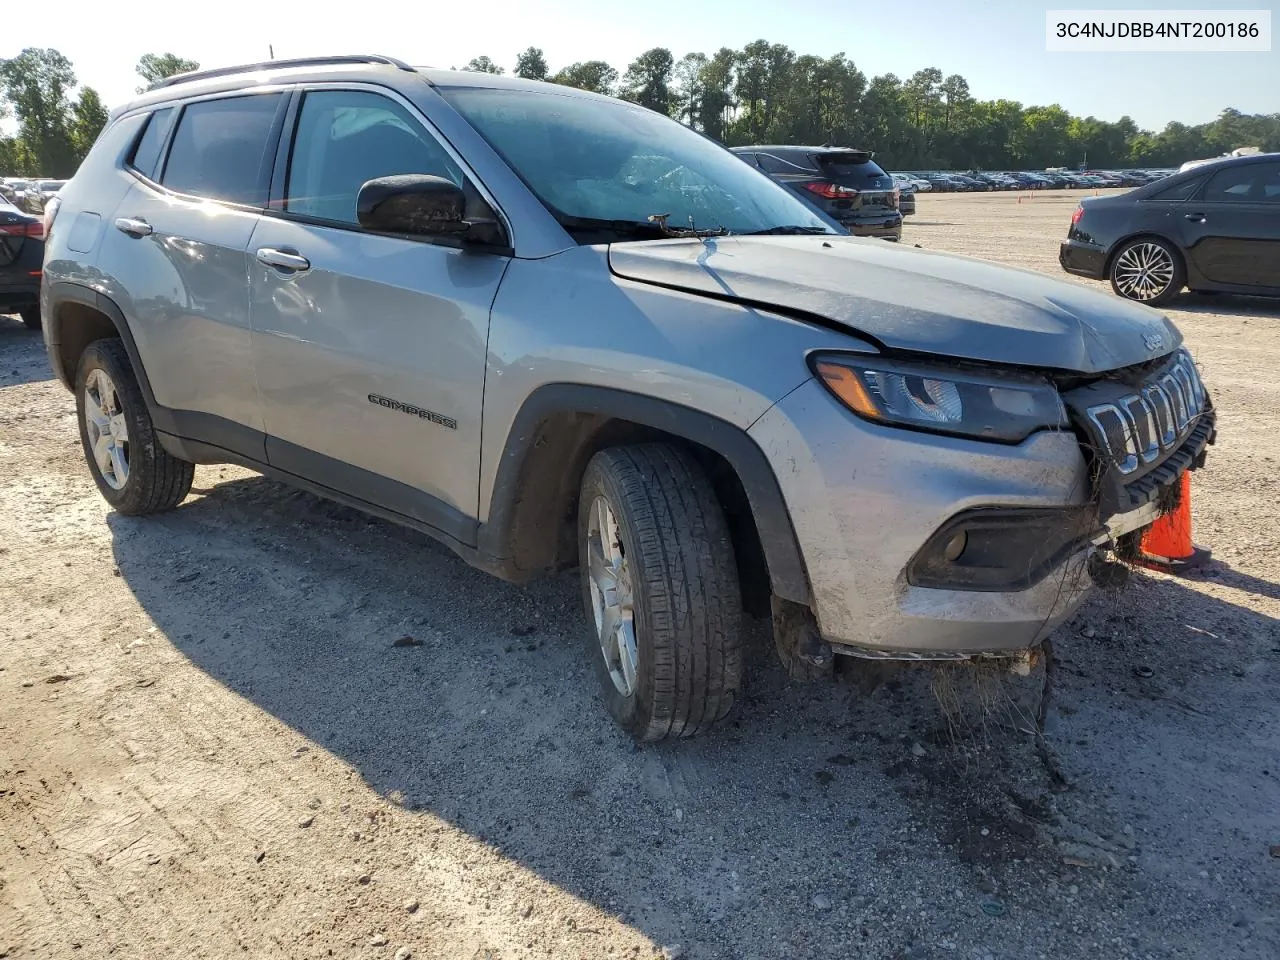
pixel 213 745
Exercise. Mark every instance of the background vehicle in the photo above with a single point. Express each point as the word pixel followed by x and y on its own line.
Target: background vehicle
pixel 1214 227
pixel 39 193
pixel 21 262
pixel 906 193
pixel 845 184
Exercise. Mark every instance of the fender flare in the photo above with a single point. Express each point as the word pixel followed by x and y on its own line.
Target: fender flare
pixel 62 292
pixel 590 407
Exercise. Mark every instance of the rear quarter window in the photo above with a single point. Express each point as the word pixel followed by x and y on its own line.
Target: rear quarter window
pixel 1179 191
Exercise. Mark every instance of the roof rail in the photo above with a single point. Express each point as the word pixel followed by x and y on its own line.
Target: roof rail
pixel 279 64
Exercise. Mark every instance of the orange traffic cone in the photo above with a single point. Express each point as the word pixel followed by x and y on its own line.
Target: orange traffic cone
pixel 1166 545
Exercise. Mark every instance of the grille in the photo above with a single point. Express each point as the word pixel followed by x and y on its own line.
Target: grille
pixel 1139 428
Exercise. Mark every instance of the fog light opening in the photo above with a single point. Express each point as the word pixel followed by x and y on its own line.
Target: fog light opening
pixel 955 547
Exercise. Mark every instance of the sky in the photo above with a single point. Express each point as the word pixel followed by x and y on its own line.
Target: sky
pixel 997 45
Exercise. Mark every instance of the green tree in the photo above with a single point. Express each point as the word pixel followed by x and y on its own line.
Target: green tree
pixel 37 84
pixel 532 65
pixel 482 65
pixel 648 80
pixel 594 75
pixel 88 117
pixel 153 68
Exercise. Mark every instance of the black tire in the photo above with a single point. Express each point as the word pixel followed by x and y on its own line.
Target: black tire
pixel 687 608
pixel 156 480
pixel 1177 280
pixel 31 317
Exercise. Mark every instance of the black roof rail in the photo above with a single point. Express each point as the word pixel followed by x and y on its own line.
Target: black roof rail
pixel 280 64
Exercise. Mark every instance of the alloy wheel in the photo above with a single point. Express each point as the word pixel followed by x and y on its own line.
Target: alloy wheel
pixel 1143 271
pixel 612 598
pixel 108 433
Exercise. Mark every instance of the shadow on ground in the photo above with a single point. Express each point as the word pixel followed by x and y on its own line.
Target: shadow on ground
pixel 1228 305
pixel 846 821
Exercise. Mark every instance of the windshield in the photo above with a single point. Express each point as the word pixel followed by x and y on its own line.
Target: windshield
pixel 599 166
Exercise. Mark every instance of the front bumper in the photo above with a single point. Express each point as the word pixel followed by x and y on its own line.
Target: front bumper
pixel 1083 259
pixel 864 499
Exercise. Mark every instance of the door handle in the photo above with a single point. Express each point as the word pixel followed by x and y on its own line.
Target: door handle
pixel 1194 217
pixel 282 259
pixel 134 226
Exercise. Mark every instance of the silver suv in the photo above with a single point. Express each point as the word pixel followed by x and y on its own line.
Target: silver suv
pixel 553 329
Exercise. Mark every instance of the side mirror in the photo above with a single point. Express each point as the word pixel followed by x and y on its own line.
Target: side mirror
pixel 412 203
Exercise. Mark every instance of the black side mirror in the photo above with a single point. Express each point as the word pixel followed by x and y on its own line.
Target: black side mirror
pixel 413 203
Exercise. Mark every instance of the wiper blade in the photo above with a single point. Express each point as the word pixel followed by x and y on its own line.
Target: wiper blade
pixel 785 231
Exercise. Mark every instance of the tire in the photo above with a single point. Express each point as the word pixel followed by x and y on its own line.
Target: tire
pixel 31 317
pixel 1147 270
pixel 153 479
pixel 674 551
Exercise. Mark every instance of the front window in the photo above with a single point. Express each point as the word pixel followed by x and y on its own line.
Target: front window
pixel 609 170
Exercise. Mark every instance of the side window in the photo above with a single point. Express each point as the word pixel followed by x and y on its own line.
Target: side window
pixel 771 164
pixel 1181 191
pixel 345 138
pixel 1245 183
pixel 218 149
pixel 146 154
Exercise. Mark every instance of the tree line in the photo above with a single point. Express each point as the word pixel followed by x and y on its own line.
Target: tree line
pixel 763 93
pixel 56 124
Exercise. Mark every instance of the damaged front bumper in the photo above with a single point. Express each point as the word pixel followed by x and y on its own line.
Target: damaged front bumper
pixel 924 547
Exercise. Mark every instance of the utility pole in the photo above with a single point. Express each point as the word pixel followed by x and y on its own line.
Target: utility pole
pixel 271 52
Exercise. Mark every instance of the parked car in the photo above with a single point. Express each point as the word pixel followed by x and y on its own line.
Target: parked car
pixel 906 194
pixel 694 387
pixel 918 184
pixel 38 194
pixel 843 183
pixel 21 260
pixel 1214 227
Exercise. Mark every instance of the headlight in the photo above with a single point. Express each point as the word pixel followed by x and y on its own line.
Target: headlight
pixel 1006 408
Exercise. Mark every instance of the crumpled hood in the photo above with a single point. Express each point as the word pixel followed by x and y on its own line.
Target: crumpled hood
pixel 916 300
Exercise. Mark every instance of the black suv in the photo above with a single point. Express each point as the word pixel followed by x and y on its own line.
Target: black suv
pixel 845 184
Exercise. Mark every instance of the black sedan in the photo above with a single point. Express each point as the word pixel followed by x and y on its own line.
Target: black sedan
pixel 21 262
pixel 1214 228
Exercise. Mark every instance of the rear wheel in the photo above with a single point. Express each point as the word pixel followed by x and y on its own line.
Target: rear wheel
pixel 1147 270
pixel 133 472
pixel 660 585
pixel 31 317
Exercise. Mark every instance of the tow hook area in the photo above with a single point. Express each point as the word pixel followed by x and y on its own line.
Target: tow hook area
pixel 800 647
pixel 1107 574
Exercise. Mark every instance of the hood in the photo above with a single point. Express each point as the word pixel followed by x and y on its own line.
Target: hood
pixel 913 300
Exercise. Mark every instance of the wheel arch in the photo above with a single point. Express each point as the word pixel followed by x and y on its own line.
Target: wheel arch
pixel 77 316
pixel 532 520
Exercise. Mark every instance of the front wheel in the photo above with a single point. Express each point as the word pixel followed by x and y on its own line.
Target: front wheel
pixel 1147 270
pixel 660 585
pixel 133 472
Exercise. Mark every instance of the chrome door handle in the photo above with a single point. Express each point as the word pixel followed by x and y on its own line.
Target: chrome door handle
pixel 282 259
pixel 1194 217
pixel 134 226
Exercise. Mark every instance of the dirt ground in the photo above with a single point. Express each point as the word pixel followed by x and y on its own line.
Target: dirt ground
pixel 211 746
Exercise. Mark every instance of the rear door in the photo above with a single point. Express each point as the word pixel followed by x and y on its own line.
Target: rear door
pixel 176 252
pixel 1232 229
pixel 371 347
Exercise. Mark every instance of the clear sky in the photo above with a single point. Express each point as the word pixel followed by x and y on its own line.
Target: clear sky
pixel 997 45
